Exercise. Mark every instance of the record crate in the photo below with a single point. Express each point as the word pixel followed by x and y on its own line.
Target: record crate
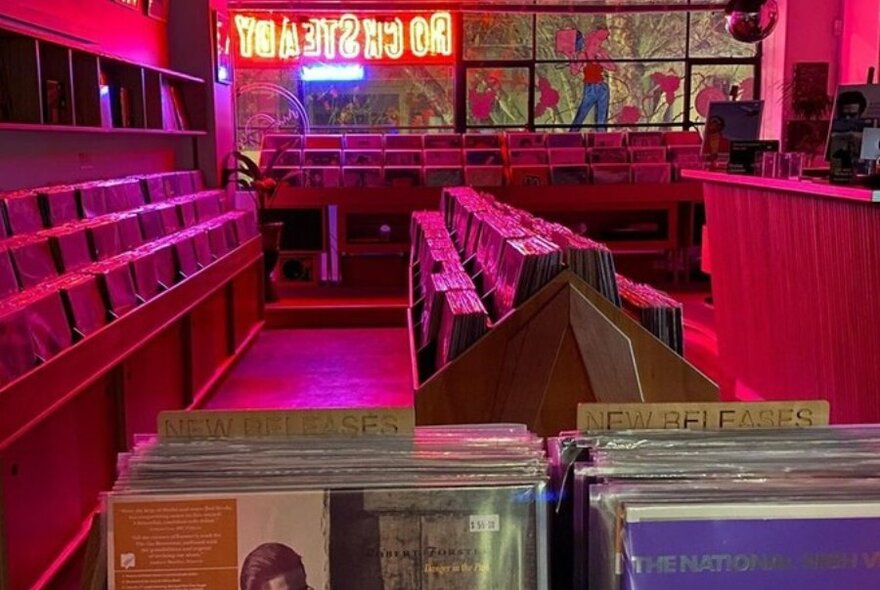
pixel 565 345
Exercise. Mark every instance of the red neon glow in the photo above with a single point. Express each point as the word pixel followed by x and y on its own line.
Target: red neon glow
pixel 276 38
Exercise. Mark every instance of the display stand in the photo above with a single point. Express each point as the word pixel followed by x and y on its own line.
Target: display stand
pixel 564 346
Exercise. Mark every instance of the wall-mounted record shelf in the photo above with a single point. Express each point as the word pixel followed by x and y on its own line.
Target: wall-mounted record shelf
pixel 48 85
pixel 565 345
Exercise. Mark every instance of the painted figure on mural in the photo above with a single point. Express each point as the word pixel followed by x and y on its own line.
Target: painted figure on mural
pixel 597 93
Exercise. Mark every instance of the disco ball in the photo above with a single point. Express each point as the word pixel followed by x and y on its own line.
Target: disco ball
pixel 751 21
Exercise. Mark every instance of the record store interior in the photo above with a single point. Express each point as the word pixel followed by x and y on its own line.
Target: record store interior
pixel 439 294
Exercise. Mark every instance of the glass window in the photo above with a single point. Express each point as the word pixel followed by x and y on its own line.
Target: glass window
pixel 393 96
pixel 623 93
pixel 650 35
pixel 712 83
pixel 497 97
pixel 709 39
pixel 490 36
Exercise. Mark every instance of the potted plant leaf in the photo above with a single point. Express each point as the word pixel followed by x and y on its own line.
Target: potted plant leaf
pixel 262 186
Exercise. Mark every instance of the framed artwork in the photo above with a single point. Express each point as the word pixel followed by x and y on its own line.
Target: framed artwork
pixel 157 9
pixel 222 49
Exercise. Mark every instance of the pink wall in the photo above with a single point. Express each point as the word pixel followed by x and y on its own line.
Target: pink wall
pixel 860 43
pixel 803 35
pixel 101 24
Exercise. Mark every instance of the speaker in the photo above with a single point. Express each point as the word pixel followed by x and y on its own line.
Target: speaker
pixel 298 268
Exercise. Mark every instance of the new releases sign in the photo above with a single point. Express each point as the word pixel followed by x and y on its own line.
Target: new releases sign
pixel 274 39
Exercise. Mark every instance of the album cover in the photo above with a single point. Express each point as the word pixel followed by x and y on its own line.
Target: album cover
pixel 651 173
pixel 403 176
pixel 322 142
pixel 443 157
pixel 104 238
pixel 295 158
pixel 60 204
pixel 322 158
pixel 871 144
pixel 364 158
pixel 208 205
pixel 644 139
pixel 608 155
pixel 33 260
pixel 444 176
pixel 117 285
pixel 482 141
pixel 403 158
pixel 186 211
pixel 23 212
pixel 144 272
pixel 363 141
pixel 519 140
pixel 611 173
pixel 804 545
pixel 47 322
pixel 647 155
pixel 17 352
pixel 434 539
pixel 529 175
pixel 185 259
pixel 70 246
pixel 361 176
pixel 731 121
pixel 8 280
pixel 410 141
pixel 202 245
pixel 274 141
pixel 611 139
pixel 321 177
pixel 565 140
pixel 84 304
pixel 682 138
pixel 443 141
pixel 567 175
pixel 744 153
pixel 170 217
pixel 150 221
pixel 483 157
pixel 572 155
pixel 527 157
pixel 484 176
pixel 257 540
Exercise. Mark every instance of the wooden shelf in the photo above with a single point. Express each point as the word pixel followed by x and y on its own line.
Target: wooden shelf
pixel 62 86
pixel 32 127
pixel 45 36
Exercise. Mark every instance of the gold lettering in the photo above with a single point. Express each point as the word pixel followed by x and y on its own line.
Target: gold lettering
pixel 245 26
pixel 418 36
pixel 441 33
pixel 289 45
pixel 372 39
pixel 394 32
pixel 264 45
pixel 348 46
pixel 311 40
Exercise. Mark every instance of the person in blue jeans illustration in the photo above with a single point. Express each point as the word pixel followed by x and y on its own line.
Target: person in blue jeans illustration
pixel 597 94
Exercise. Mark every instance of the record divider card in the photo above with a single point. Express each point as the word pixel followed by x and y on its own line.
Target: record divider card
pixel 702 415
pixel 256 424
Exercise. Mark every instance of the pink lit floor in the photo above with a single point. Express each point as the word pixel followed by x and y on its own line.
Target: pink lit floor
pixel 321 368
pixel 370 367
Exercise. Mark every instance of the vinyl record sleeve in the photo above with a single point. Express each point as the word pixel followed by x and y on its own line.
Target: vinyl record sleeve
pixel 808 546
pixel 23 213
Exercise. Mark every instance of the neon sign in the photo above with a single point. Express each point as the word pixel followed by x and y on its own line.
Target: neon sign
pixel 332 72
pixel 279 38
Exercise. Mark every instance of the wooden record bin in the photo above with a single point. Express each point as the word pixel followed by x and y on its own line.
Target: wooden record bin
pixel 565 345
pixel 63 424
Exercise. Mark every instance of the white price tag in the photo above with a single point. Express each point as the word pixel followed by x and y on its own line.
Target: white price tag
pixel 485 523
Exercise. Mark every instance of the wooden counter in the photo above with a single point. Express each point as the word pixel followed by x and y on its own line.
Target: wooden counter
pixel 794 269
